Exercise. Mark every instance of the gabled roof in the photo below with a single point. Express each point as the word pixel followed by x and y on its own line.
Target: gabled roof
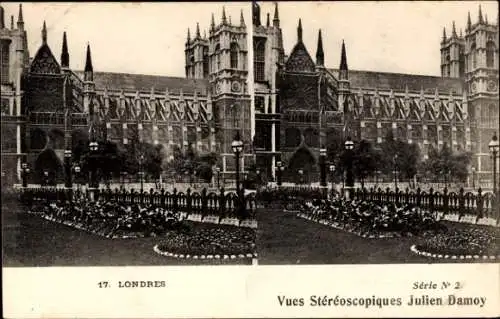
pixel 142 82
pixel 44 62
pixel 300 60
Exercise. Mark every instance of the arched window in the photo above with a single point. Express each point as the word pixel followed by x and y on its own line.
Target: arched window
pixel 234 55
pixel 217 57
pixel 490 54
pixel 473 54
pixel 4 55
pixel 235 115
pixel 205 62
pixel 191 62
pixel 259 59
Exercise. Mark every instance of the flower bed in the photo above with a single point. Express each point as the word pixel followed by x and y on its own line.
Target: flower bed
pixel 113 220
pixel 464 241
pixel 369 219
pixel 209 240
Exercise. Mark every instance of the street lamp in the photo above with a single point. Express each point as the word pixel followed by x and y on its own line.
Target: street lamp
pixel 322 167
pixel 25 171
pixel 123 174
pixel 394 162
pixel 494 148
pixel 217 170
pixel 141 171
pixel 46 177
pixel 349 180
pixel 279 170
pixel 67 165
pixel 332 172
pixel 237 147
pixel 77 174
pixel 473 177
pixel 301 176
pixel 257 171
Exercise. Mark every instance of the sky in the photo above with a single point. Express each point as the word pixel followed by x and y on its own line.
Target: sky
pixel 148 38
pixel 391 36
pixel 143 38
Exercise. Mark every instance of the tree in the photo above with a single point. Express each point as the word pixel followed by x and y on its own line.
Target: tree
pixel 365 160
pixel 445 163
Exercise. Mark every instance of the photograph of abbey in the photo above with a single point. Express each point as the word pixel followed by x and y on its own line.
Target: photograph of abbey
pixel 381 136
pixel 113 131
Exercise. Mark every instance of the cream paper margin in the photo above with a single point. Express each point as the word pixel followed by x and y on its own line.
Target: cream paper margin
pixel 240 291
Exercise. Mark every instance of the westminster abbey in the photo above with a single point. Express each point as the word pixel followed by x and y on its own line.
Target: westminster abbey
pixel 301 103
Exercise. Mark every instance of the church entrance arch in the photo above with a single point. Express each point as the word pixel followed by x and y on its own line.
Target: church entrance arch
pixel 302 161
pixel 48 168
pixel 56 139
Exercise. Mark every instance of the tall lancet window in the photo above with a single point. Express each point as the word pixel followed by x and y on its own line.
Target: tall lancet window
pixel 217 57
pixel 490 54
pixel 259 59
pixel 4 55
pixel 473 55
pixel 205 62
pixel 234 55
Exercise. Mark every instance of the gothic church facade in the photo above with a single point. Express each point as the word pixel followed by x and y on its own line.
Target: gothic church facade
pixel 304 104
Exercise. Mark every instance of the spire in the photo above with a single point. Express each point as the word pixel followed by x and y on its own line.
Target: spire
pixel 486 18
pixel 480 15
pixel 230 23
pixel 320 56
pixel 256 14
pixel 224 20
pixel 444 34
pixel 64 52
pixel 276 19
pixel 299 31
pixel 44 33
pixel 212 23
pixel 469 23
pixel 20 20
pixel 453 30
pixel 343 58
pixel 189 36
pixel 89 70
pixel 460 34
pixel 205 34
pixel 197 31
pixel 242 19
pixel 268 24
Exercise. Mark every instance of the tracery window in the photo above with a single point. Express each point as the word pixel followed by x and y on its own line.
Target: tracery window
pixel 473 55
pixel 217 57
pixel 4 55
pixel 234 55
pixel 205 62
pixel 490 54
pixel 259 60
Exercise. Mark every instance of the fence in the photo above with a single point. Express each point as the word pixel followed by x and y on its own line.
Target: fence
pixel 480 204
pixel 462 203
pixel 220 203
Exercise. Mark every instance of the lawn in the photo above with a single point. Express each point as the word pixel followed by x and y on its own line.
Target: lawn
pixel 31 241
pixel 284 238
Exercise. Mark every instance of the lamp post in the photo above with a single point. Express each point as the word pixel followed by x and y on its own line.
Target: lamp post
pixel 217 170
pixel 123 174
pixel 257 172
pixel 494 148
pixel 394 162
pixel 237 148
pixel 68 183
pixel 279 170
pixel 301 176
pixel 141 171
pixel 322 170
pixel 77 174
pixel 46 177
pixel 93 183
pixel 349 180
pixel 332 172
pixel 473 177
pixel 25 171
